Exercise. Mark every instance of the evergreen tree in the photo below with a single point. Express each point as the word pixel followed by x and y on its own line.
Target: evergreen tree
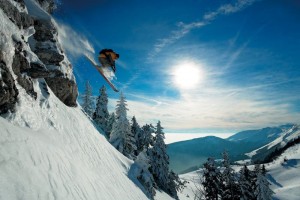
pixel 159 159
pixel 101 114
pixel 263 191
pixel 211 180
pixel 147 139
pixel 110 122
pixel 142 164
pixel 138 135
pixel 160 163
pixel 87 102
pixel 175 184
pixel 230 187
pixel 263 170
pixel 121 137
pixel 247 191
pixel 254 175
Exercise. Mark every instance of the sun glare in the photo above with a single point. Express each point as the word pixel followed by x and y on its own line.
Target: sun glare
pixel 187 75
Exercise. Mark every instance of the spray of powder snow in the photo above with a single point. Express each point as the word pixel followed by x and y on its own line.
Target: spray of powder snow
pixel 72 42
pixel 77 45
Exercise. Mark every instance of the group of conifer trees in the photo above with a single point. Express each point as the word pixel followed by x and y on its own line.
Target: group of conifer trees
pixel 224 183
pixel 145 145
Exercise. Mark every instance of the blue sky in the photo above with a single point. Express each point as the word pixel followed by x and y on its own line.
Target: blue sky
pixel 243 56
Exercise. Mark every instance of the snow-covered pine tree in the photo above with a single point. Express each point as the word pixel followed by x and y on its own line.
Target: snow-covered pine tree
pixel 147 138
pixel 138 135
pixel 141 171
pixel 263 191
pixel 110 122
pixel 101 114
pixel 159 159
pixel 121 137
pixel 247 191
pixel 87 102
pixel 211 180
pixel 254 175
pixel 230 188
pixel 160 163
pixel 175 184
pixel 263 170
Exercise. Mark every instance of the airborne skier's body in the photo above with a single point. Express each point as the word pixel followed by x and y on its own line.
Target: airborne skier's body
pixel 107 58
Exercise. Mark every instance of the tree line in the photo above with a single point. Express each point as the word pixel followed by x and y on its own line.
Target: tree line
pixel 143 144
pixel 222 182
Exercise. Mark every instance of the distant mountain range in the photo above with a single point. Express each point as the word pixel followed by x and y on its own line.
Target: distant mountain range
pixel 186 156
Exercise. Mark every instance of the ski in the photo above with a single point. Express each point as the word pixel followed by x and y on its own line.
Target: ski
pixel 99 69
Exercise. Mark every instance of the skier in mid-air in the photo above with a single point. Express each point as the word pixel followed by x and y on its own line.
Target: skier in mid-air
pixel 107 58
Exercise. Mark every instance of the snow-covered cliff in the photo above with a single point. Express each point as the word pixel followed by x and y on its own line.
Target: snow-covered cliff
pixel 29 51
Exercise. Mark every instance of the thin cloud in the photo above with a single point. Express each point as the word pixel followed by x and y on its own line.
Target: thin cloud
pixel 228 9
pixel 214 107
pixel 222 112
pixel 207 18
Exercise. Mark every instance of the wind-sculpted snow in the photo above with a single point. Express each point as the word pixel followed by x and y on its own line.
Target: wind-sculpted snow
pixel 51 151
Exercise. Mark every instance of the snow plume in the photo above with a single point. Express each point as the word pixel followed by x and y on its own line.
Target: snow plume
pixel 73 42
pixel 184 29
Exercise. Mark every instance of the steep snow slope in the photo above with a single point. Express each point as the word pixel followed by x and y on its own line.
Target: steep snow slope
pixel 285 175
pixel 50 151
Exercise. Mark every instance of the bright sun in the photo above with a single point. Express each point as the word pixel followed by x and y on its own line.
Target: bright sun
pixel 187 75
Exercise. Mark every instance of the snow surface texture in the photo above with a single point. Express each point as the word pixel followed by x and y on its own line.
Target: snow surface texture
pixel 285 175
pixel 50 151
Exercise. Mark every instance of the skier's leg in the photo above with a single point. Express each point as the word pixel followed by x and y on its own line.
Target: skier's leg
pixel 104 62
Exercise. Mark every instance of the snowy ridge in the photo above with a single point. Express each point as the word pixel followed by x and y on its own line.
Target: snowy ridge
pixel 35 10
pixel 18 6
pixel 283 139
